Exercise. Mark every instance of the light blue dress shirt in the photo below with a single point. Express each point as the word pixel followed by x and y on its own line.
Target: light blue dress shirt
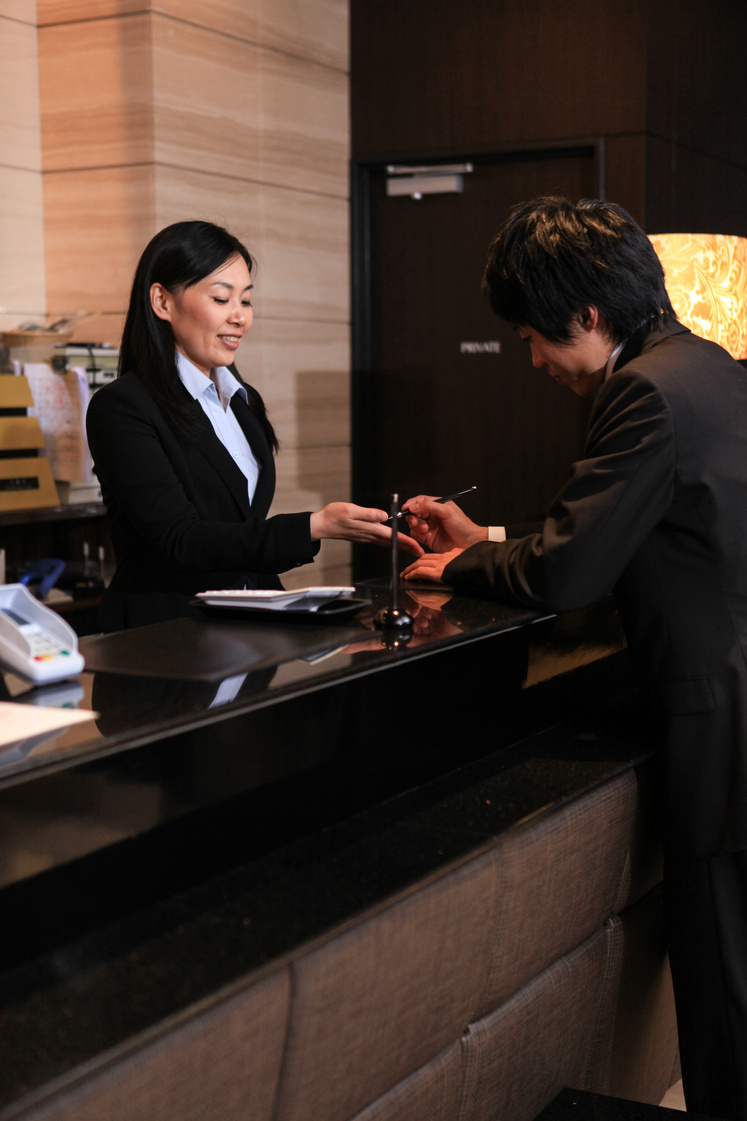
pixel 216 407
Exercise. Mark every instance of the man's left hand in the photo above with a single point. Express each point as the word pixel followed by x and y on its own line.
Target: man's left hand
pixel 430 567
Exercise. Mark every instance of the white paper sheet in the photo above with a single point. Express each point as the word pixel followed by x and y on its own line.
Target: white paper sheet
pixel 22 721
pixel 60 403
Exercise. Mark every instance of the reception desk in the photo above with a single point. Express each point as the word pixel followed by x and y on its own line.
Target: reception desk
pixel 291 870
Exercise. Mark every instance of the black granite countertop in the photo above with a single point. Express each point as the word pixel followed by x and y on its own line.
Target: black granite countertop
pixel 176 676
pixel 254 828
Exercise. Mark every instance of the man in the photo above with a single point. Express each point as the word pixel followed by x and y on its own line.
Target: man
pixel 656 511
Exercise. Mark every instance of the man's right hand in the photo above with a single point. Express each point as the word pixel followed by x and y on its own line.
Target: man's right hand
pixel 441 526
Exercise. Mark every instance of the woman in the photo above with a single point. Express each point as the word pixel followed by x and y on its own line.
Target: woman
pixel 183 448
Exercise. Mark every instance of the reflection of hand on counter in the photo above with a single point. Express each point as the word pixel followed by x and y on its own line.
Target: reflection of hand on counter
pixel 429 597
pixel 429 621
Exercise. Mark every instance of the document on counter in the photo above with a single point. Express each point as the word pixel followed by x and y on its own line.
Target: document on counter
pixel 25 721
pixel 300 599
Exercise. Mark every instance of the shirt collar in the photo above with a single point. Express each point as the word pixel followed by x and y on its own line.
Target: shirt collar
pixel 195 382
pixel 613 358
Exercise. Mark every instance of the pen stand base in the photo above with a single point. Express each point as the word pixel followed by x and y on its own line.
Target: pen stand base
pixel 392 619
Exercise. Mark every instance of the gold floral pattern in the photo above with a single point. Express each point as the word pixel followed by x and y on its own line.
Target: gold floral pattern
pixel 706 277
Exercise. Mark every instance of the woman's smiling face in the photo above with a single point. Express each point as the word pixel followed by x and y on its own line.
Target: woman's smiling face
pixel 210 318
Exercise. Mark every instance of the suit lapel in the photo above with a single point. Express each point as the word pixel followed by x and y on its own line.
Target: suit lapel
pixel 254 433
pixel 208 445
pixel 205 441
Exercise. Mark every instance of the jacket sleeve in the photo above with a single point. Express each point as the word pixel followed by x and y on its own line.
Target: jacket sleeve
pixel 614 498
pixel 146 481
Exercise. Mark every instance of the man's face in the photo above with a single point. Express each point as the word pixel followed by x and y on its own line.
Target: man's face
pixel 578 363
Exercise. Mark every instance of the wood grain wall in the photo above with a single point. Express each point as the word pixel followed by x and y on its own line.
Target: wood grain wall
pixel 21 223
pixel 665 85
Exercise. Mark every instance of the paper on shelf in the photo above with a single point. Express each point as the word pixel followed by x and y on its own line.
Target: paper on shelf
pixel 60 403
pixel 23 721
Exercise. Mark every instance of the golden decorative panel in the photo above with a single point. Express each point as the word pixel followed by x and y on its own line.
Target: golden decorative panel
pixel 706 277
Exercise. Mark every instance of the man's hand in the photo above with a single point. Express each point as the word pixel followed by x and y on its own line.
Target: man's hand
pixel 344 521
pixel 441 525
pixel 430 567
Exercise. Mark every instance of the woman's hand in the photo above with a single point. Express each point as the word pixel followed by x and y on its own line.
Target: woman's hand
pixel 442 526
pixel 344 521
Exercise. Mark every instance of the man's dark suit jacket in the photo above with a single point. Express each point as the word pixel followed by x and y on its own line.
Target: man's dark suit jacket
pixel 656 511
pixel 181 521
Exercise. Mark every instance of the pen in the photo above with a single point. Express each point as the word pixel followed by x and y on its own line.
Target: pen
pixel 446 498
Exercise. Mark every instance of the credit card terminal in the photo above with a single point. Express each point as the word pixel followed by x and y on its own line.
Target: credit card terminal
pixel 35 642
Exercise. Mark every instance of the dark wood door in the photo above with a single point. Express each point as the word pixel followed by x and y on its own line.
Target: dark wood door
pixel 447 396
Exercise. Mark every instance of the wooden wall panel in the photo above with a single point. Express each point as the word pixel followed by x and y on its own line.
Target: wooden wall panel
pixel 697 76
pixel 439 77
pixel 21 246
pixel 304 268
pixel 310 29
pixel 181 195
pixel 237 18
pixel 22 294
pixel 625 172
pixel 304 127
pixel 308 478
pixel 96 93
pixel 690 191
pixel 205 100
pixel 97 222
pixel 20 144
pixel 22 10
pixel 302 371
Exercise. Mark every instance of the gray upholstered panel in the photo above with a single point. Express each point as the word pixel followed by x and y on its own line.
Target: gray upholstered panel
pixel 221 1063
pixel 639 1007
pixel 518 1058
pixel 558 880
pixel 646 857
pixel 387 996
pixel 430 1094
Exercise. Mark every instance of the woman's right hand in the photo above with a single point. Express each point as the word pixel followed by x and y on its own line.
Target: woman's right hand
pixel 441 526
pixel 344 521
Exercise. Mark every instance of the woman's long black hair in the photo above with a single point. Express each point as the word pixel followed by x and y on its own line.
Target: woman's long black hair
pixel 177 257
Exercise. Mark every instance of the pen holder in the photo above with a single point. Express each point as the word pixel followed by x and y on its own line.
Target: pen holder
pixel 391 618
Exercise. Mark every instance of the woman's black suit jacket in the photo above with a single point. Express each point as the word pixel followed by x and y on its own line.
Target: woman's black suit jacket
pixel 181 521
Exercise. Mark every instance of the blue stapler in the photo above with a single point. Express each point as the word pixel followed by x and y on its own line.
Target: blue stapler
pixel 42 575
